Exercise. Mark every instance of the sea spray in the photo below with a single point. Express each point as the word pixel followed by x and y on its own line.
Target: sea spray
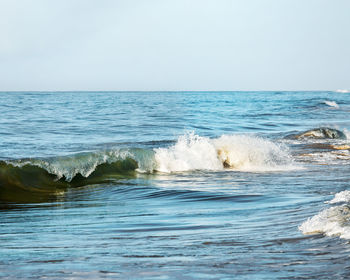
pixel 237 152
pixel 191 152
pixel 251 153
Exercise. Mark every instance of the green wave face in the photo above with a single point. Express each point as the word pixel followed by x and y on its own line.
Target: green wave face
pixel 39 180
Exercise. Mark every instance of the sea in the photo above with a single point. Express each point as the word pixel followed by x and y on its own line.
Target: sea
pixel 175 185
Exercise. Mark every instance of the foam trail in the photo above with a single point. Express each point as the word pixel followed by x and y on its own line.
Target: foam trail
pixel 331 103
pixel 237 152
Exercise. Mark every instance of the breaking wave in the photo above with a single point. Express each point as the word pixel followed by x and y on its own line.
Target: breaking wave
pixel 331 103
pixel 236 152
pixel 191 152
pixel 334 221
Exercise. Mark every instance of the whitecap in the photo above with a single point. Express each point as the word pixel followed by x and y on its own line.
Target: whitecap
pixel 331 103
pixel 235 152
pixel 333 221
pixel 343 196
pixel 342 90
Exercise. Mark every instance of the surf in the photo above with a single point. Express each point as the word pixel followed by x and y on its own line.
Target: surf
pixel 228 152
pixel 22 178
pixel 333 221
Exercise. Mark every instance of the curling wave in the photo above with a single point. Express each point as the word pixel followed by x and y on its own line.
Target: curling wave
pixel 190 152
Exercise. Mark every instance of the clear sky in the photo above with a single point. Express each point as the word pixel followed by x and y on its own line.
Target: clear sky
pixel 174 44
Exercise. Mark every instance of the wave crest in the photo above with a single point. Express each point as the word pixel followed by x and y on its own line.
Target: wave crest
pixel 334 221
pixel 29 179
pixel 68 167
pixel 331 103
pixel 237 152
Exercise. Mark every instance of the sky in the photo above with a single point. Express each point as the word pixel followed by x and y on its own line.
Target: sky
pixel 156 45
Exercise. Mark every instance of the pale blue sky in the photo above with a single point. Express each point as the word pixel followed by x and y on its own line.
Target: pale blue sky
pixel 174 44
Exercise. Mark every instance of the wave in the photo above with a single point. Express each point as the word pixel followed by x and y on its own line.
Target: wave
pixel 320 133
pixel 334 221
pixel 324 145
pixel 190 152
pixel 331 103
pixel 342 90
pixel 29 182
pixel 235 152
pixel 343 196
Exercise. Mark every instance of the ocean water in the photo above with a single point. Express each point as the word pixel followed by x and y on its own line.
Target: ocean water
pixel 174 185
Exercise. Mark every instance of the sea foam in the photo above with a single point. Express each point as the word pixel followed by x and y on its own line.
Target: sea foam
pixel 343 196
pixel 236 152
pixel 334 221
pixel 331 103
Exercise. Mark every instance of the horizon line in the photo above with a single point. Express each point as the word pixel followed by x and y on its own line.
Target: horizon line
pixel 157 91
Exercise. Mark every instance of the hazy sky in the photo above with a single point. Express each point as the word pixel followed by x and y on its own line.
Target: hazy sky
pixel 174 44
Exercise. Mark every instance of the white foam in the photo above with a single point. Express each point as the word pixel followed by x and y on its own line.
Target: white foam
pixel 331 103
pixel 347 133
pixel 191 152
pixel 237 152
pixel 342 90
pixel 343 196
pixel 333 221
pixel 250 153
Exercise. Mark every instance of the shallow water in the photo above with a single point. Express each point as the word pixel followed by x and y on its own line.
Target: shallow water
pixel 174 185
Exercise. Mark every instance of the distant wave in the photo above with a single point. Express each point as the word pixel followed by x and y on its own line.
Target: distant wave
pixel 333 221
pixel 191 152
pixel 331 103
pixel 342 90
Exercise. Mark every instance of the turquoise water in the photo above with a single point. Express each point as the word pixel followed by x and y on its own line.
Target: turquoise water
pixel 174 185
